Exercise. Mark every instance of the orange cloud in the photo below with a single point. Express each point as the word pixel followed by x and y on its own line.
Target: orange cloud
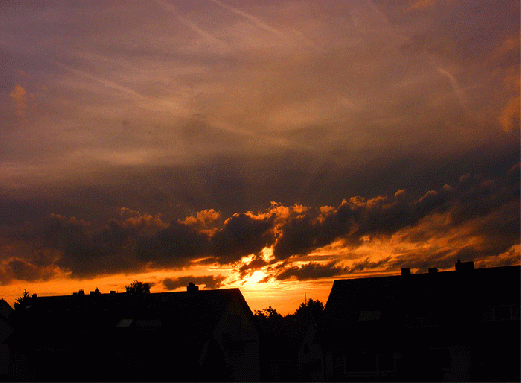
pixel 143 223
pixel 422 4
pixel 203 221
pixel 509 117
pixel 19 99
pixel 502 55
pixel 202 218
pixel 509 45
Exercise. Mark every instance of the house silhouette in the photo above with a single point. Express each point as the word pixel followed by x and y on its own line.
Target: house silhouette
pixel 6 329
pixel 176 336
pixel 440 326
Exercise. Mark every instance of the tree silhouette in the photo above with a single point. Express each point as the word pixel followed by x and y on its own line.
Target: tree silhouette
pixel 22 301
pixel 138 288
pixel 310 311
pixel 268 313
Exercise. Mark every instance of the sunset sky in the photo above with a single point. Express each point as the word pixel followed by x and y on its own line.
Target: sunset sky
pixel 268 145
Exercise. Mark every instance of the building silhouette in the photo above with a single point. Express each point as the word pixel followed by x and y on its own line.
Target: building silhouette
pixel 180 336
pixel 6 329
pixel 460 325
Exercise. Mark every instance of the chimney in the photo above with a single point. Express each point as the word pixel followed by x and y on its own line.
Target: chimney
pixel 464 267
pixel 406 271
pixel 433 270
pixel 192 288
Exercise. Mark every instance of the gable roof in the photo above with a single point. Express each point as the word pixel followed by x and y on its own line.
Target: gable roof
pixel 393 291
pixel 191 315
pixel 5 309
pixel 125 337
pixel 376 307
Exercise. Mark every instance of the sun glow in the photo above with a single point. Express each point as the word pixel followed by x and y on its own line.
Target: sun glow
pixel 267 253
pixel 255 277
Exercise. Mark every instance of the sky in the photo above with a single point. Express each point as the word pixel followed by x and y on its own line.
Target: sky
pixel 266 145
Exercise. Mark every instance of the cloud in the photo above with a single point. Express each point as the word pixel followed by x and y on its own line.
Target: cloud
pixel 255 20
pixel 298 237
pixel 358 217
pixel 18 96
pixel 367 265
pixel 509 117
pixel 108 251
pixel 74 246
pixel 212 41
pixel 255 264
pixel 311 270
pixel 210 281
pixel 425 4
pixel 458 90
pixel 174 246
pixel 228 107
pixel 315 270
pixel 242 235
pixel 22 270
pixel 203 221
pixel 142 100
pixel 473 202
pixel 144 224
pixel 476 219
pixel 244 105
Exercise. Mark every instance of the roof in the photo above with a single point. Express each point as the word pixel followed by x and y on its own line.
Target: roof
pixel 192 315
pixel 154 336
pixel 5 309
pixel 376 307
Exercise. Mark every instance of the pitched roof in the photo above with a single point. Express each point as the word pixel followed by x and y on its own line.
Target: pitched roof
pixel 192 315
pixel 394 291
pixel 376 307
pixel 154 336
pixel 5 309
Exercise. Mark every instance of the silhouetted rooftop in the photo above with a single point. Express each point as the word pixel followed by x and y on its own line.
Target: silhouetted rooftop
pixel 149 333
pixel 195 312
pixel 451 299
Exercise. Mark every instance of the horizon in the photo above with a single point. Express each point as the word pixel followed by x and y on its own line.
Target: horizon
pixel 250 294
pixel 269 146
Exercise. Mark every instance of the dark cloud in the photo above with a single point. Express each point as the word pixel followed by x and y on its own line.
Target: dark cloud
pixel 480 219
pixel 210 281
pixel 242 235
pixel 299 236
pixel 286 176
pixel 423 260
pixel 25 271
pixel 172 247
pixel 312 270
pixel 357 218
pixel 104 252
pixel 253 265
pixel 366 265
pixel 445 258
pixel 75 246
pixel 471 198
pixel 487 240
pixel 139 242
